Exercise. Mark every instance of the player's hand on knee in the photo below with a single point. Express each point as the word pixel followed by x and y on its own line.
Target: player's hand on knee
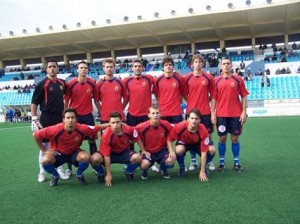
pixel 35 124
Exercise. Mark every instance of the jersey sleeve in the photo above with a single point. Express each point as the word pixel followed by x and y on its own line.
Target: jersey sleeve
pixel 204 138
pixel 243 90
pixel 173 134
pixel 104 143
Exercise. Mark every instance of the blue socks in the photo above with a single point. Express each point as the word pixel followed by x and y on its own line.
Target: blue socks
pixel 180 160
pixel 165 166
pixel 100 170
pixel 131 167
pixel 209 158
pixel 51 169
pixel 222 151
pixel 236 152
pixel 82 166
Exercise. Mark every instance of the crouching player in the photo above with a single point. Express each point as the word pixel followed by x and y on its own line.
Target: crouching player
pixel 65 141
pixel 154 134
pixel 115 148
pixel 191 135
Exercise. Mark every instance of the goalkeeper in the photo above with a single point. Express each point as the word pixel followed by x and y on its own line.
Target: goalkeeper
pixel 48 96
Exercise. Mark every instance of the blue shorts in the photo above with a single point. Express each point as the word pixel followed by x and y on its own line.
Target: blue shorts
pixel 190 147
pixel 159 157
pixel 60 159
pixel 172 119
pixel 230 125
pixel 135 120
pixel 123 157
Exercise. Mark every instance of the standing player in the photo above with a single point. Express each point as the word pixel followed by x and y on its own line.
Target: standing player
pixel 191 135
pixel 115 148
pixel 199 87
pixel 65 140
pixel 139 92
pixel 154 134
pixel 168 90
pixel 49 97
pixel 80 93
pixel 111 93
pixel 228 111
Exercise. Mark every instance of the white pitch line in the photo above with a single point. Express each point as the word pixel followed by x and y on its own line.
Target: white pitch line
pixel 2 129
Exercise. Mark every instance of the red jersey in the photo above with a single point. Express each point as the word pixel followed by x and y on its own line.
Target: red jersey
pixel 110 93
pixel 154 138
pixel 227 94
pixel 169 92
pixel 139 92
pixel 65 142
pixel 111 142
pixel 81 95
pixel 181 133
pixel 198 91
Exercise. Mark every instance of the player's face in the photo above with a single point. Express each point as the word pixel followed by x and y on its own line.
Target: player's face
pixel 168 67
pixel 52 69
pixel 109 69
pixel 70 121
pixel 154 115
pixel 197 65
pixel 194 121
pixel 137 68
pixel 226 66
pixel 82 70
pixel 115 124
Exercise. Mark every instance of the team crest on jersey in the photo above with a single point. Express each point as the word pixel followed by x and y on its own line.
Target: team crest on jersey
pixel 143 83
pixel 88 91
pixel 116 88
pixel 206 141
pixel 203 83
pixel 222 128
pixel 196 139
pixel 174 84
pixel 232 84
pixel 61 88
pixel 162 135
pixel 76 139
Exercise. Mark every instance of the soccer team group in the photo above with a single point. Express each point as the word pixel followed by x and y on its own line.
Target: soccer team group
pixel 163 136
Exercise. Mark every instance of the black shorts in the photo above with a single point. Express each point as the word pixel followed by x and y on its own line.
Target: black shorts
pixel 123 157
pixel 159 157
pixel 190 147
pixel 135 120
pixel 172 119
pixel 230 125
pixel 86 119
pixel 206 121
pixel 49 119
pixel 60 159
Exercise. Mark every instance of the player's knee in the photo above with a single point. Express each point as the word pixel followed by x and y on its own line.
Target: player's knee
pixel 145 164
pixel 212 150
pixel 136 158
pixel 170 161
pixel 47 159
pixel 234 138
pixel 83 157
pixel 96 159
pixel 223 139
pixel 180 150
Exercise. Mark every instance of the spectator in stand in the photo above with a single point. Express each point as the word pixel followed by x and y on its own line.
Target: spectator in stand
pixel 283 71
pixel 268 81
pixel 288 70
pixel 262 81
pixel 242 65
pixel 294 46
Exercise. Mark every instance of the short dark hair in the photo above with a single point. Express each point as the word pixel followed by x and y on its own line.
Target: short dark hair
pixel 82 62
pixel 137 61
pixel 115 115
pixel 167 60
pixel 51 60
pixel 196 112
pixel 70 110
